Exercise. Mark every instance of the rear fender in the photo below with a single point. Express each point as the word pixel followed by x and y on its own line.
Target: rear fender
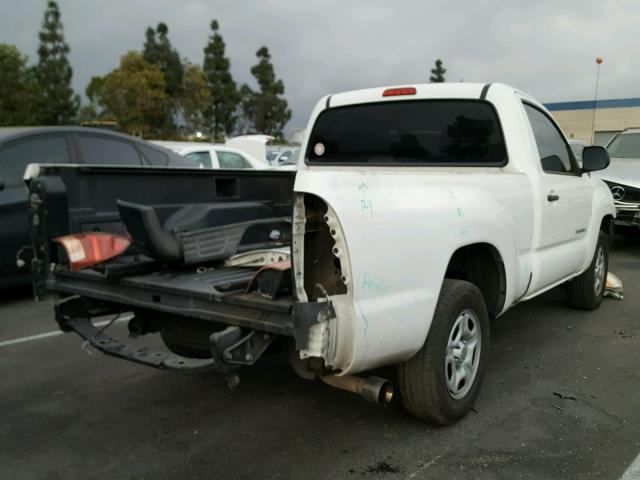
pixel 400 232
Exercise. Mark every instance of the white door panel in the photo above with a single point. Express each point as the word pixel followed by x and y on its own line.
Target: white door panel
pixel 564 204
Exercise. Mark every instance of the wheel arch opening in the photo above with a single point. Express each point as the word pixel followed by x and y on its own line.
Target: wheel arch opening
pixel 482 265
pixel 320 260
pixel 607 226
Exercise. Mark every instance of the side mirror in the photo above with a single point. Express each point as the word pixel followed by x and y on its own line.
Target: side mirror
pixel 594 158
pixel 1 185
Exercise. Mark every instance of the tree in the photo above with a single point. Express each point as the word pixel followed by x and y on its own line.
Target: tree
pixel 196 98
pixel 94 90
pixel 134 95
pixel 20 95
pixel 158 51
pixel 221 116
pixel 265 110
pixel 94 110
pixel 437 73
pixel 54 71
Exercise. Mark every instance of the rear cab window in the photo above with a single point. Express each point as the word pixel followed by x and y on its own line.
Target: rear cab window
pixel 409 133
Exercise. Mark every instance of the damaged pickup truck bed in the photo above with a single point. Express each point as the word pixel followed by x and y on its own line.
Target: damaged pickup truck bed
pixel 416 216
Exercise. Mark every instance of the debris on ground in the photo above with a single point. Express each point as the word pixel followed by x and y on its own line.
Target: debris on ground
pixel 565 397
pixel 381 468
pixel 624 334
pixel 613 288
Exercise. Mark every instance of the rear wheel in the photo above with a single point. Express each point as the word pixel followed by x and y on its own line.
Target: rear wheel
pixel 441 382
pixel 587 289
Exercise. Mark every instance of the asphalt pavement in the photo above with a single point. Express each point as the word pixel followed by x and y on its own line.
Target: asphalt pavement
pixel 560 400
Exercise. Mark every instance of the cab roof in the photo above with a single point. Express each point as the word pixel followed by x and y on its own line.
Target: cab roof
pixel 422 91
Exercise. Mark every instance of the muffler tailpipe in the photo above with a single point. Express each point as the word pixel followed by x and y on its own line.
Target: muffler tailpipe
pixel 373 389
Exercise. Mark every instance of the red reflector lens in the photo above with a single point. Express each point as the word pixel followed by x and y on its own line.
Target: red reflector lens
pixel 87 249
pixel 392 92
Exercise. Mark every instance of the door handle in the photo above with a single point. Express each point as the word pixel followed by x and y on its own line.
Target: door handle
pixel 553 196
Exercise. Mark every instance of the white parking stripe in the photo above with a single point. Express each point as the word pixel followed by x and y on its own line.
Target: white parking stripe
pixel 40 336
pixel 633 471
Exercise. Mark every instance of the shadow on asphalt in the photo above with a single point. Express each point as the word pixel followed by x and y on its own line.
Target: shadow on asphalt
pixel 16 293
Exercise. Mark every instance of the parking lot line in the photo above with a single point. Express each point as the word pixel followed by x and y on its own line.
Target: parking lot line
pixel 633 471
pixel 54 333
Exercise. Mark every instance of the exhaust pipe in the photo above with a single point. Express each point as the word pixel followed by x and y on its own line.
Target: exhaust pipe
pixel 373 389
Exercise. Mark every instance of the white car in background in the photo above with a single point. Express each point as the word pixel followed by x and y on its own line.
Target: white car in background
pixel 282 157
pixel 207 155
pixel 254 145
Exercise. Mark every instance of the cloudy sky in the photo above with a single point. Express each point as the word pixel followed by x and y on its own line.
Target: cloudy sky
pixel 546 48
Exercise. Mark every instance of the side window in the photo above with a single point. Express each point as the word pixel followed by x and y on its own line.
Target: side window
pixel 553 150
pixel 15 157
pixel 154 156
pixel 232 160
pixel 202 159
pixel 103 150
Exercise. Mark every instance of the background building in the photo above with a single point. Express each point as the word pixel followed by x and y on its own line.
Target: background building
pixel 611 116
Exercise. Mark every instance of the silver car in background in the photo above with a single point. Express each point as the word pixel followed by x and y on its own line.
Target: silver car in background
pixel 623 175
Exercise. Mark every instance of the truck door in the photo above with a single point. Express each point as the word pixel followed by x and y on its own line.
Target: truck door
pixel 563 202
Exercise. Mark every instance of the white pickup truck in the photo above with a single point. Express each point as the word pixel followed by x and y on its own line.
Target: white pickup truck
pixel 418 215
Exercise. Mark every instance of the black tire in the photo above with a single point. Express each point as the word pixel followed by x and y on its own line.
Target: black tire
pixel 581 291
pixel 187 340
pixel 423 378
